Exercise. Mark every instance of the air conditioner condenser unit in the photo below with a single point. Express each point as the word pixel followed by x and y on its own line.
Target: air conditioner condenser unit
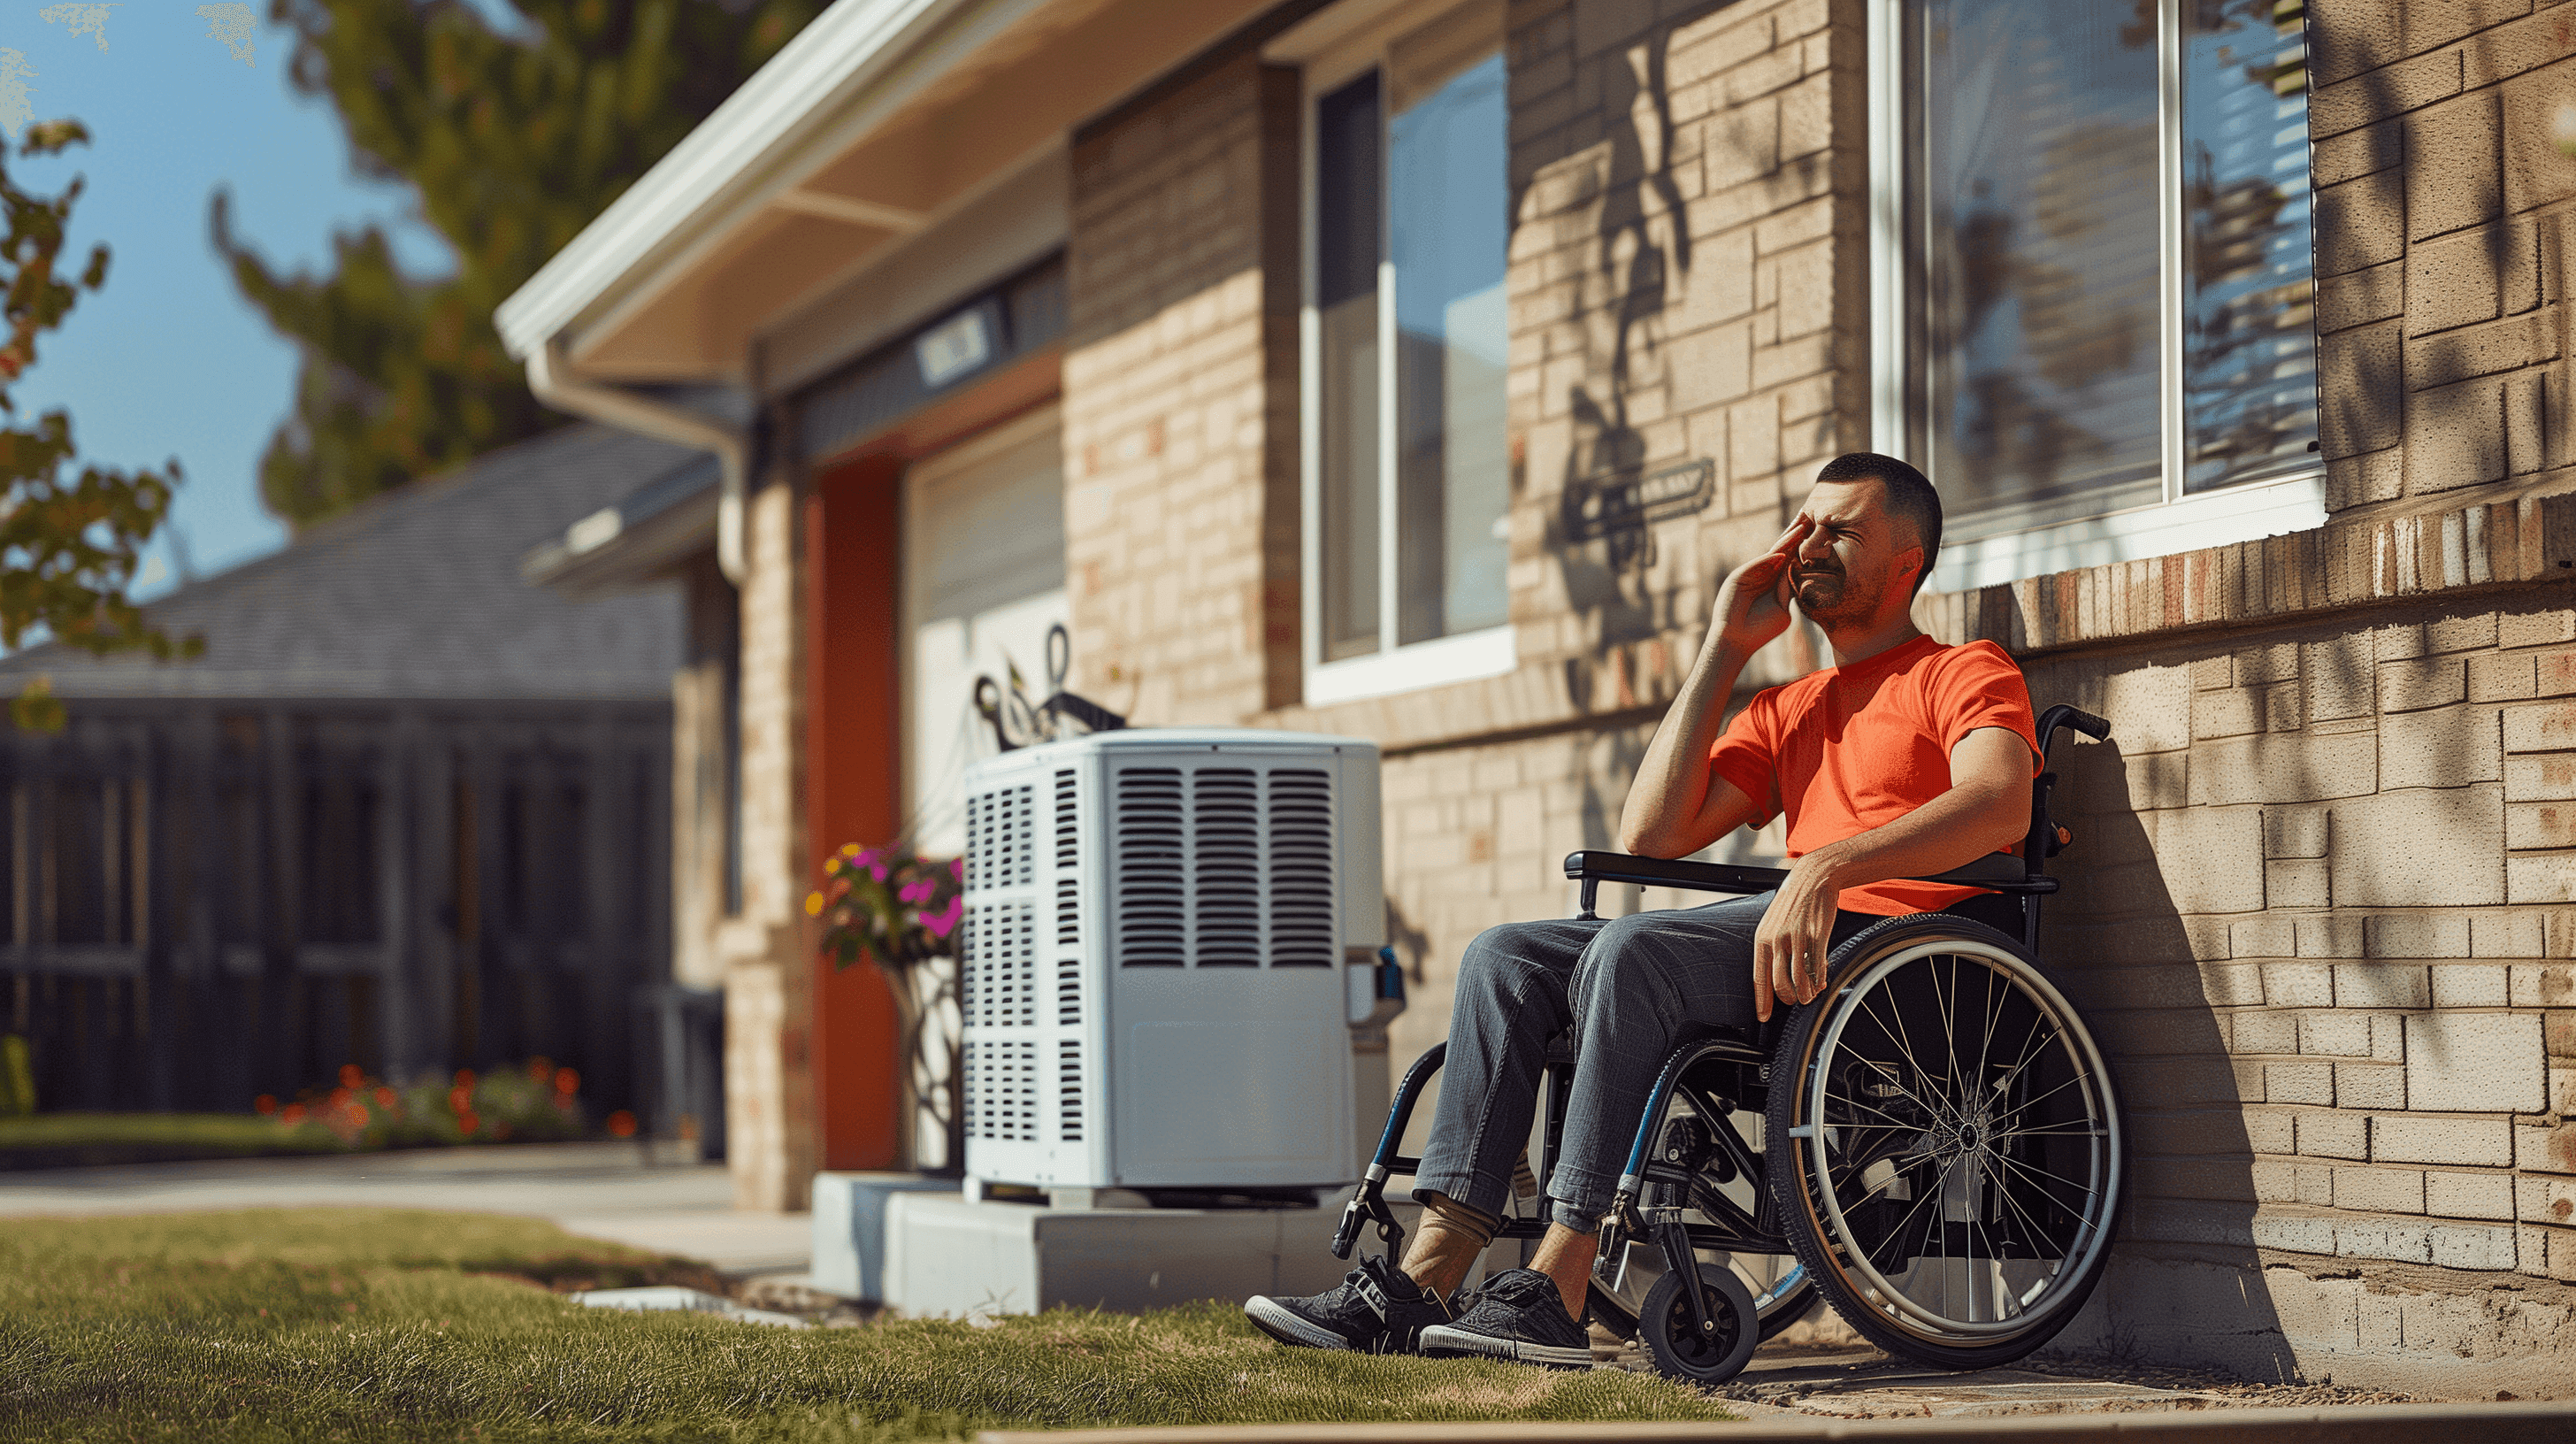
pixel 1154 958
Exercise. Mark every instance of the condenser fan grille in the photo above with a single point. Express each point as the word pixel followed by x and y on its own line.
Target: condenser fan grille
pixel 1223 865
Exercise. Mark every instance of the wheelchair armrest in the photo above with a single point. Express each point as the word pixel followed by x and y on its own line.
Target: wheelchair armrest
pixel 1670 872
pixel 2000 871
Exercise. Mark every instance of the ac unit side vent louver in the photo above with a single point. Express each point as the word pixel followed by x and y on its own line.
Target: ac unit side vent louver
pixel 998 976
pixel 1301 868
pixel 1001 838
pixel 1068 1090
pixel 1151 861
pixel 1002 1090
pixel 1225 867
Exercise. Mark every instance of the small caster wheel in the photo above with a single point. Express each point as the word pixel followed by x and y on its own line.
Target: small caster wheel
pixel 1683 1350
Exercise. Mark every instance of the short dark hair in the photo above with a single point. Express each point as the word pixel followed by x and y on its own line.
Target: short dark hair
pixel 1909 496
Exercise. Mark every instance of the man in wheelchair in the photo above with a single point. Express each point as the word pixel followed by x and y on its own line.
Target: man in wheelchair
pixel 1902 760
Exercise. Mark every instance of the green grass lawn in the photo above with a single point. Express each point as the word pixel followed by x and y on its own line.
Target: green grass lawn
pixel 374 1324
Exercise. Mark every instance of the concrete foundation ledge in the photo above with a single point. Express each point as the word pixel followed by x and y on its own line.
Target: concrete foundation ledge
pixel 850 1224
pixel 2532 1423
pixel 948 1258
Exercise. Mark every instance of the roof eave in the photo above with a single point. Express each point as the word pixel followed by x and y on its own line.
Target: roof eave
pixel 732 151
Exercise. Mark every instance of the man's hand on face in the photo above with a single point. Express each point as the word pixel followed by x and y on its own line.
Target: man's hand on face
pixel 1753 604
pixel 1797 930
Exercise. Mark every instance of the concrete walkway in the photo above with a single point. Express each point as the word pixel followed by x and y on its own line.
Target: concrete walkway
pixel 614 1191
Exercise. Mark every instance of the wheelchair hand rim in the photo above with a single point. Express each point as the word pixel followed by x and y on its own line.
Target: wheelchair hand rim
pixel 2106 1151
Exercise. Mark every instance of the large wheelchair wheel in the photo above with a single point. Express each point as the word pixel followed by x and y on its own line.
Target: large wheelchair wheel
pixel 1944 1144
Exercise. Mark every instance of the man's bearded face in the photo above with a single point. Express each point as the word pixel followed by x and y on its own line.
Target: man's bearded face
pixel 1844 568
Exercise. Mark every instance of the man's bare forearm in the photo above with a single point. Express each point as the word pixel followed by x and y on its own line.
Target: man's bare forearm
pixel 1672 781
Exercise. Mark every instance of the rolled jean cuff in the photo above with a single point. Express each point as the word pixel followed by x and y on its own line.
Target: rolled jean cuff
pixel 1577 1202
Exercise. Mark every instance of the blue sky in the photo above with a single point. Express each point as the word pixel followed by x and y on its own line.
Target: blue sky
pixel 168 360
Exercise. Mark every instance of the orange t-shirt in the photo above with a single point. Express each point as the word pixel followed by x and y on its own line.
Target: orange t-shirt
pixel 1848 749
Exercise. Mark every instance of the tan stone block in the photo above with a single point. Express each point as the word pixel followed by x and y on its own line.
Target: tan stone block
pixel 2355 153
pixel 2547 728
pixel 2503 678
pixel 2540 824
pixel 2299 1083
pixel 2542 879
pixel 2334 1033
pixel 2449 747
pixel 2455 154
pixel 2379 1190
pixel 2333 935
pixel 2298 883
pixel 2275 1180
pixel 2370 1086
pixel 2545 1200
pixel 2295 832
pixel 2387 1038
pixel 2347 37
pixel 2461 1142
pixel 2507 935
pixel 2361 223
pixel 2460 634
pixel 2458 1247
pixel 2404 639
pixel 2210 674
pixel 1720 42
pixel 2430 26
pixel 2469 1195
pixel 2555 674
pixel 2455 436
pixel 2459 280
pixel 2560 1037
pixel 2469 985
pixel 2266 1031
pixel 2230 713
pixel 2149 708
pixel 2263 937
pixel 2443 934
pixel 2280 768
pixel 2535 629
pixel 2212 859
pixel 2545 1150
pixel 2543 985
pixel 2299 985
pixel 2475 1063
pixel 2270 1130
pixel 2340 679
pixel 2334 1135
pixel 2380 985
pixel 2396 89
pixel 2421 848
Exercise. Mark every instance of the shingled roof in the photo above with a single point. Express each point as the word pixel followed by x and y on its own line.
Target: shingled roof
pixel 418 595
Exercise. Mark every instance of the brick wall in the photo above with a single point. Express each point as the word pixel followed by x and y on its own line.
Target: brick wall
pixel 2442 215
pixel 1179 401
pixel 2317 908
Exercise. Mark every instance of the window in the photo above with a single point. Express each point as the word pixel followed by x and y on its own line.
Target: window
pixel 2098 263
pixel 1408 477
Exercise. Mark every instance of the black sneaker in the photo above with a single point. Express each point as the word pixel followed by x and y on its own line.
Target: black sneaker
pixel 1518 1315
pixel 1375 1310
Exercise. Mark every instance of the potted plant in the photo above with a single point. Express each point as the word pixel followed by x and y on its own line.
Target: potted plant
pixel 901 911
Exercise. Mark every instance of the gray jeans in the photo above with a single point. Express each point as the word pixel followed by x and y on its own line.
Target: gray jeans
pixel 1626 987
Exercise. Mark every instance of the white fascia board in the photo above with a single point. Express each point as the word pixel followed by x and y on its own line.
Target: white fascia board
pixel 843 49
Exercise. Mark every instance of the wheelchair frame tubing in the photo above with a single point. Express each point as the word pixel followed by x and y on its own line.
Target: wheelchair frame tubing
pixel 1369 1202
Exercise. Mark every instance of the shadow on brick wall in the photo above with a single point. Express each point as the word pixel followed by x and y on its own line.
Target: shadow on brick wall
pixel 2186 1285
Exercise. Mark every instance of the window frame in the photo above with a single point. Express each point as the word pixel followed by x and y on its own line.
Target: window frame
pixel 2177 522
pixel 1332 60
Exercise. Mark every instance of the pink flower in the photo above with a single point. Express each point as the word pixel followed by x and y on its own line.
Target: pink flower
pixel 877 870
pixel 957 868
pixel 943 922
pixel 918 891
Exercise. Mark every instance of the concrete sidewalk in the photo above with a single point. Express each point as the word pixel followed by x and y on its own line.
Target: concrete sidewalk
pixel 615 1191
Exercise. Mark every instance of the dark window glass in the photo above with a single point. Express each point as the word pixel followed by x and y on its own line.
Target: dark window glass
pixel 2249 330
pixel 2034 237
pixel 1349 244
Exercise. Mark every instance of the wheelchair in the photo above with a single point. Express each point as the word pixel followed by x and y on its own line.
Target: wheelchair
pixel 1932 1145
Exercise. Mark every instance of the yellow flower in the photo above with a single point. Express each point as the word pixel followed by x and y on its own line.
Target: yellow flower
pixel 813 904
